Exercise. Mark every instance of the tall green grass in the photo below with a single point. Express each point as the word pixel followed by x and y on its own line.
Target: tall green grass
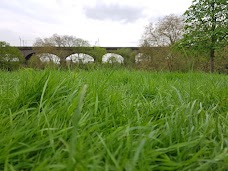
pixel 113 120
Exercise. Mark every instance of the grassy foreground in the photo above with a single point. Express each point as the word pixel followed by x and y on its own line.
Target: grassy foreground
pixel 113 120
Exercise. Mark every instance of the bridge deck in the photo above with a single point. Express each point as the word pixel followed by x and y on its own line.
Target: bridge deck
pixel 68 48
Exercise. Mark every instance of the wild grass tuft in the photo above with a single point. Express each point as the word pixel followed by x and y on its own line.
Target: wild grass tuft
pixel 109 119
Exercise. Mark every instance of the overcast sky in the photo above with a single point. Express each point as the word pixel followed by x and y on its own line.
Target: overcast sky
pixel 101 22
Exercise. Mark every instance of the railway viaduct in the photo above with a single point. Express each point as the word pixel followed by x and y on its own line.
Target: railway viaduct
pixel 64 52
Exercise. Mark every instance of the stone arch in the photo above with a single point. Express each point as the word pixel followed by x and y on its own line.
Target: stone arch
pixel 27 57
pixel 112 57
pixel 80 57
pixel 45 57
pixel 138 57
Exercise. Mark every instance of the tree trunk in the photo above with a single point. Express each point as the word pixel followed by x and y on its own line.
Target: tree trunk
pixel 213 38
pixel 212 57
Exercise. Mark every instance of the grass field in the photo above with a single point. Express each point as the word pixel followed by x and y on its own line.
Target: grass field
pixel 113 120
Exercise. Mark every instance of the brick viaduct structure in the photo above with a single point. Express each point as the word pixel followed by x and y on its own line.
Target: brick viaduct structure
pixel 64 52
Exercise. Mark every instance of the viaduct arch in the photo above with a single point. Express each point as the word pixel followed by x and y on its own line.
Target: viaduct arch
pixel 64 52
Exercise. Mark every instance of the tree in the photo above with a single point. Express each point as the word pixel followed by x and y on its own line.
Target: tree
pixel 51 44
pixel 206 26
pixel 10 57
pixel 157 40
pixel 166 32
pixel 61 41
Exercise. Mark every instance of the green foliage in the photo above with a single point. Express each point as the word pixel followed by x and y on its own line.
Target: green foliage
pixel 206 24
pixel 128 55
pixel 113 119
pixel 97 53
pixel 35 63
pixel 206 27
pixel 180 59
pixel 10 57
pixel 155 58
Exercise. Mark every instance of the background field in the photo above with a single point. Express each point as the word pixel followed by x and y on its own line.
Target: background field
pixel 110 119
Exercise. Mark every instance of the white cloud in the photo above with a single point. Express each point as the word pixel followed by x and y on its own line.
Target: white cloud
pixel 114 12
pixel 120 23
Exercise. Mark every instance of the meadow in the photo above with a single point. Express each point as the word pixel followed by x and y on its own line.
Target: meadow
pixel 108 119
